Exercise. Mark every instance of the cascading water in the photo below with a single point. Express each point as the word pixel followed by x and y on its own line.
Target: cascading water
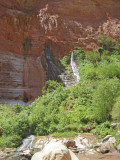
pixel 74 67
pixel 27 144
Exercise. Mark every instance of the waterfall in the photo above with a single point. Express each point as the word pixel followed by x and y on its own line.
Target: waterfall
pixel 27 143
pixel 74 67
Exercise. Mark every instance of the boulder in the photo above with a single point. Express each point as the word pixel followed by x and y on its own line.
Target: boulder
pixel 118 133
pixel 55 151
pixel 106 138
pixel 107 144
pixel 105 148
pixel 114 125
pixel 1 131
pixel 69 143
pixel 26 153
pixel 118 148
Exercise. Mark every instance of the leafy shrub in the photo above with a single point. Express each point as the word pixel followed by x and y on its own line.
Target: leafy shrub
pixel 116 110
pixel 104 98
pixel 14 122
pixel 93 57
pixel 65 61
pixel 10 141
pixel 109 44
pixel 79 53
pixel 51 86
pixel 64 134
pixel 105 129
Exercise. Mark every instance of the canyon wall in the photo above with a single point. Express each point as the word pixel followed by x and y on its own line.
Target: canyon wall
pixel 26 26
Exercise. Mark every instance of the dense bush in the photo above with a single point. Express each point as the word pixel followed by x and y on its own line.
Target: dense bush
pixel 109 44
pixel 65 61
pixel 15 125
pixel 116 110
pixel 104 98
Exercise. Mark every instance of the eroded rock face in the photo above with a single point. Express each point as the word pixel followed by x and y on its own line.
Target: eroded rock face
pixel 63 24
pixel 26 26
pixel 20 78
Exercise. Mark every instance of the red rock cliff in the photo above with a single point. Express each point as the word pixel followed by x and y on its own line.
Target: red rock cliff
pixel 27 25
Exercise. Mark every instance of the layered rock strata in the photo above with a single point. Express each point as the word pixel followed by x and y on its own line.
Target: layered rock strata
pixel 26 26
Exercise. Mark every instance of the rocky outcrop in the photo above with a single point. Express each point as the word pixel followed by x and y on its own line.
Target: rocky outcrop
pixel 81 144
pixel 20 78
pixel 118 148
pixel 55 151
pixel 107 145
pixel 26 26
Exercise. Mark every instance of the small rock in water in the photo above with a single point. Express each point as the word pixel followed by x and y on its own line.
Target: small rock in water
pixel 26 153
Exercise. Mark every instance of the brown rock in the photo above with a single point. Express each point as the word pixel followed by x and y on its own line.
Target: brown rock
pixel 69 143
pixel 107 145
pixel 114 125
pixel 118 148
pixel 26 153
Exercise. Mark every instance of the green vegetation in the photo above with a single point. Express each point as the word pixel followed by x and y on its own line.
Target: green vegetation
pixel 65 61
pixel 14 121
pixel 92 105
pixel 64 134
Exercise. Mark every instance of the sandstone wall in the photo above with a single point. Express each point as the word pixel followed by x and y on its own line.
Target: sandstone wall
pixel 27 25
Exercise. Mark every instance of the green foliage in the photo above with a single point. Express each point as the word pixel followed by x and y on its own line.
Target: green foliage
pixel 14 122
pixel 116 110
pixel 51 86
pixel 104 98
pixel 64 61
pixel 100 50
pixel 109 44
pixel 93 57
pixel 64 134
pixel 105 129
pixel 10 141
pixel 109 70
pixel 79 53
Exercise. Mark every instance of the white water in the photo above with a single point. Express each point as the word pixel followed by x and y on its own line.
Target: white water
pixel 27 143
pixel 74 67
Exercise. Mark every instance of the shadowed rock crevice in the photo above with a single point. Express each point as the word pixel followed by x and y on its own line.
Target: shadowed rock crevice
pixel 50 64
